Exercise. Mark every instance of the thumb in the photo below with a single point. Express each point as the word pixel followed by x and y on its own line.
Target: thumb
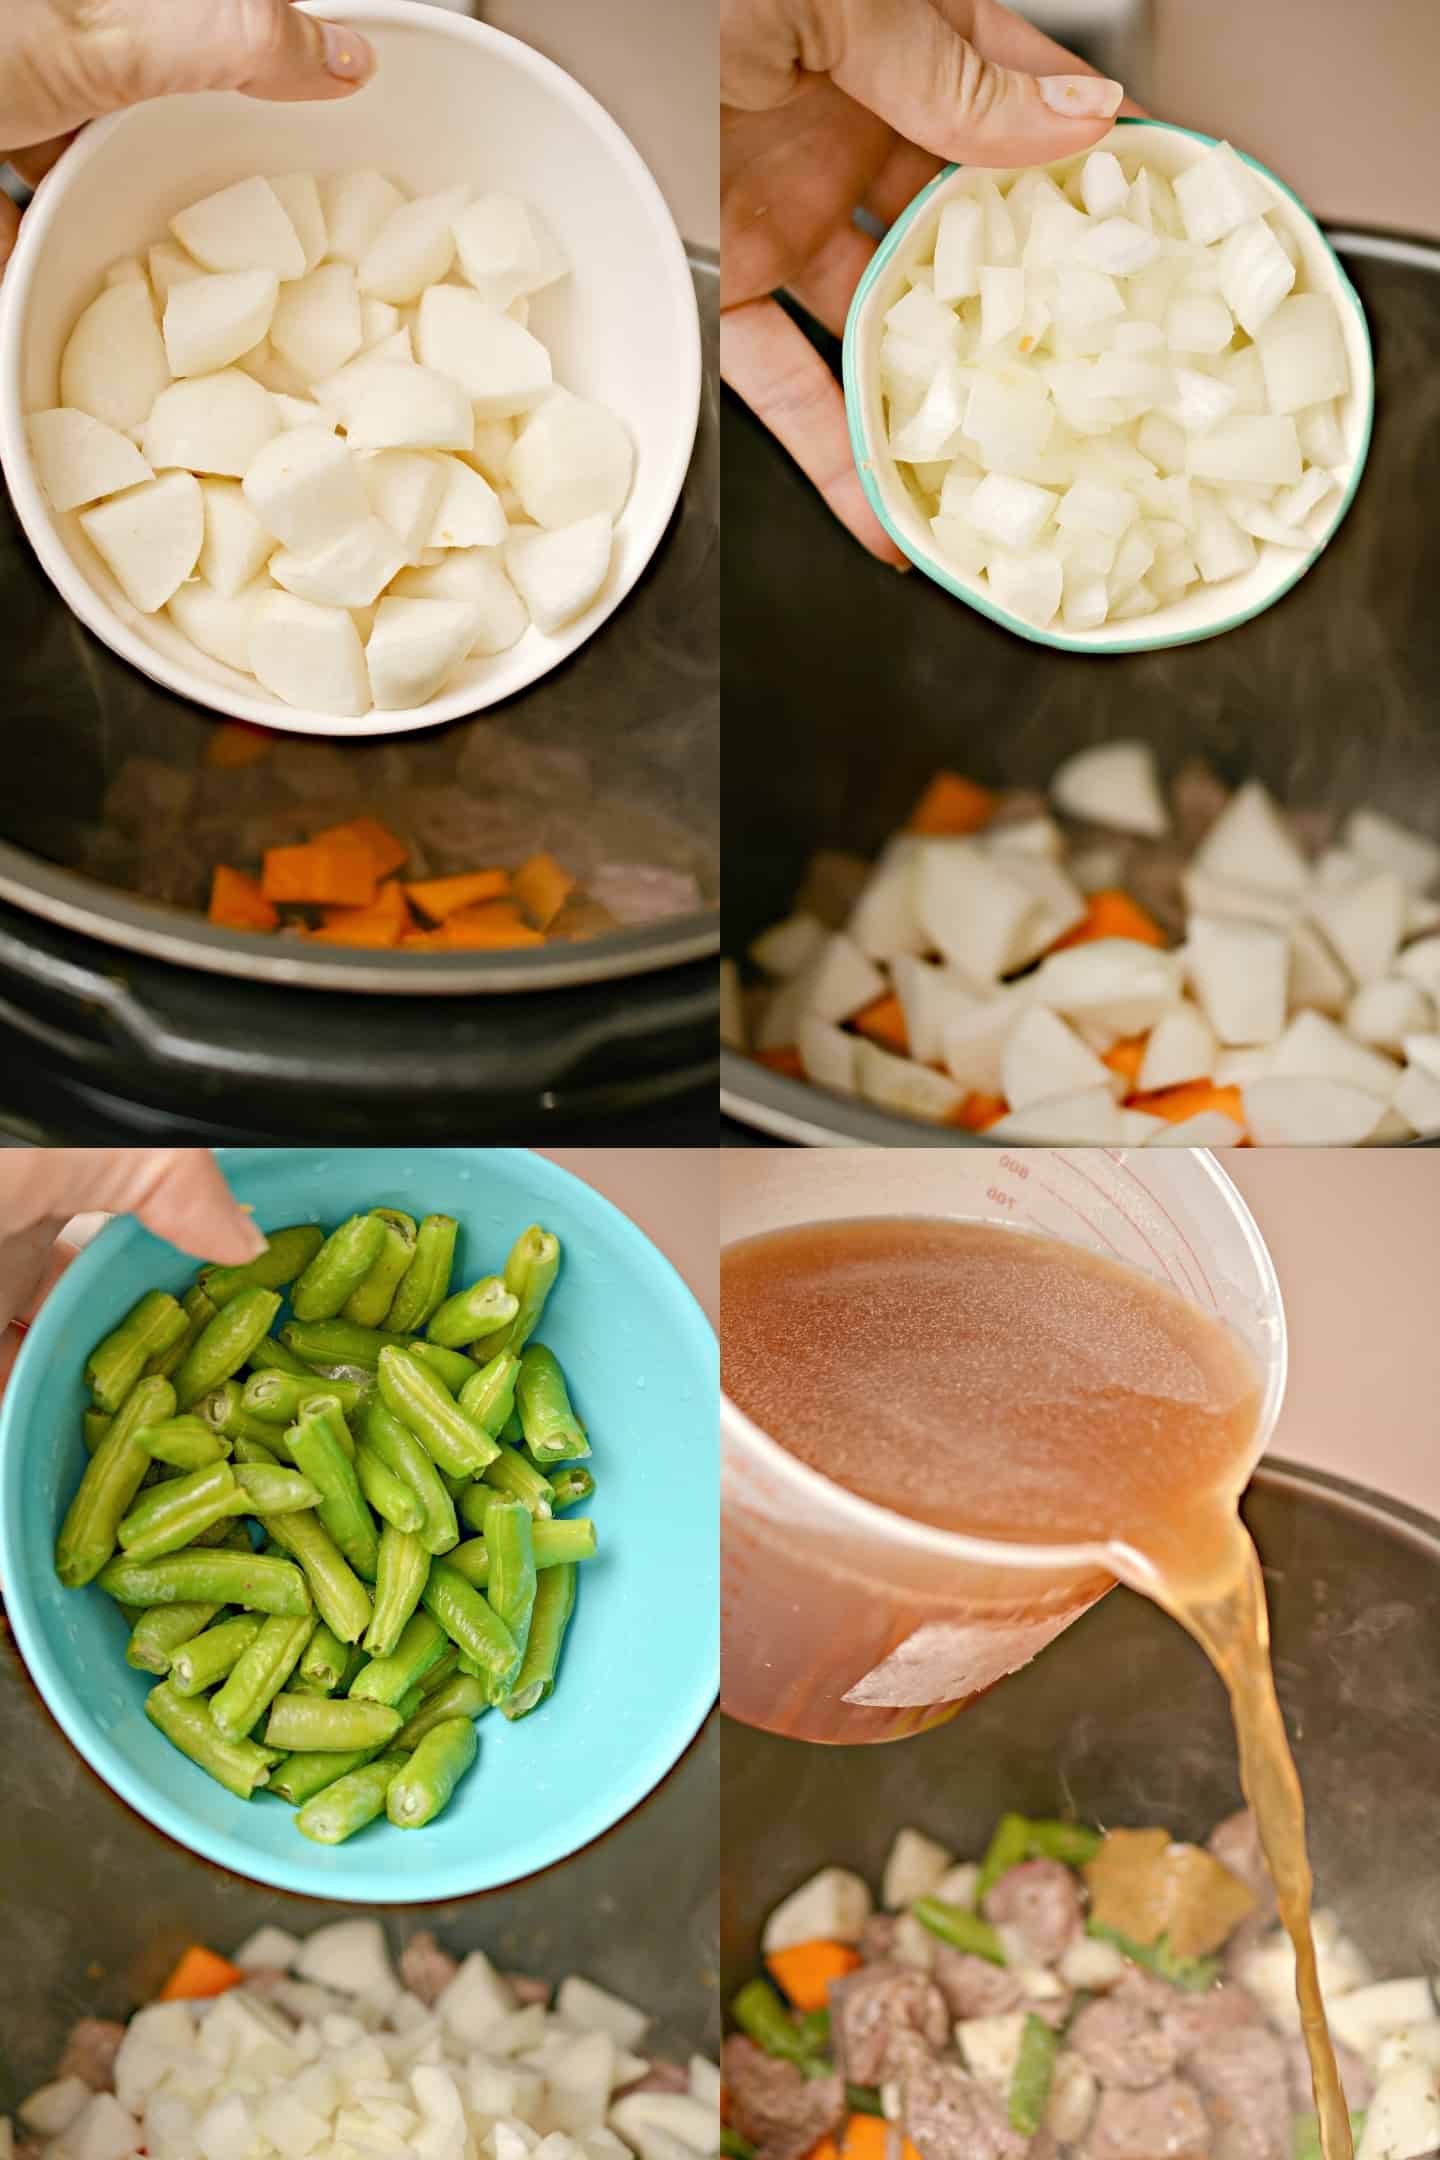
pixel 180 1194
pixel 913 68
pixel 272 50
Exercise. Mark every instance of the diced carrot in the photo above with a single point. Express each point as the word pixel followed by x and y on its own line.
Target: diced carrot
pixel 440 898
pixel 804 1971
pixel 237 903
pixel 786 1060
pixel 336 872
pixel 542 888
pixel 236 743
pixel 389 902
pixel 386 852
pixel 866 2137
pixel 952 804
pixel 824 2149
pixel 1127 1057
pixel 1188 1100
pixel 383 924
pixel 977 1113
pixel 493 922
pixel 1112 913
pixel 884 1022
pixel 200 1972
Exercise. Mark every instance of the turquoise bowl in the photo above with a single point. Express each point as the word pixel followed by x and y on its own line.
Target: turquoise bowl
pixel 640 1667
pixel 1204 611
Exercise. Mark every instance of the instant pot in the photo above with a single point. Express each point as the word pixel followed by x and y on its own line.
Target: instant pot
pixel 125 1015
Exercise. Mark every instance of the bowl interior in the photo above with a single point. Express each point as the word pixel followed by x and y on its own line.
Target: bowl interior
pixel 642 1362
pixel 452 101
pixel 1204 610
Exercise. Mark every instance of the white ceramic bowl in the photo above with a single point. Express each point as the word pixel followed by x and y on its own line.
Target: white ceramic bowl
pixel 453 101
pixel 1204 610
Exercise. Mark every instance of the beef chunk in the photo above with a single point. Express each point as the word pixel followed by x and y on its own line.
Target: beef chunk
pixel 527 1989
pixel 90 2053
pixel 425 1968
pixel 1165 2123
pixel 1040 1899
pixel 1193 2019
pixel 884 2018
pixel 972 1986
pixel 951 2116
pixel 782 2112
pixel 1123 2044
pixel 1242 2078
pixel 877 1938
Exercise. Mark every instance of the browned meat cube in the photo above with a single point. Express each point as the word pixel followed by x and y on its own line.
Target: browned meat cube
pixel 781 2112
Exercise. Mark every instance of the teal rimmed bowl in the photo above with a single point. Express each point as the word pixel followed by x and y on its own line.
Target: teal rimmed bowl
pixel 1205 610
pixel 640 1667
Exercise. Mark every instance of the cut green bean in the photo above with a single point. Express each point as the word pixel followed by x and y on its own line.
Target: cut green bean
pixel 175 1513
pixel 514 1475
pixel 96 1424
pixel 442 1670
pixel 451 1366
pixel 185 1443
pixel 422 1643
pixel 511 1587
pixel 117 1362
pixel 161 1630
pixel 763 2018
pixel 222 1348
pixel 272 1356
pixel 477 1631
pixel 555 1544
pixel 393 1500
pixel 324 1450
pixel 287 1255
pixel 419 1400
pixel 530 1273
pixel 205 1659
pixel 329 1723
pixel 426 1281
pixel 401 1452
pixel 554 1603
pixel 462 1695
pixel 199 1311
pixel 259 1674
pixel 371 1300
pixel 338 1342
pixel 1009 1845
pixel 224 1412
pixel 1033 2076
pixel 339 1268
pixel 249 1579
pixel 417 1794
pixel 553 1433
pixel 400 1577
pixel 512 1432
pixel 481 1310
pixel 322 1661
pixel 239 1765
pixel 350 1803
pixel 276 1397
pixel 571 1482
pixel 113 1476
pixel 308 1771
pixel 961 1928
pixel 271 1489
pixel 489 1397
pixel 455 1485
pixel 341 1599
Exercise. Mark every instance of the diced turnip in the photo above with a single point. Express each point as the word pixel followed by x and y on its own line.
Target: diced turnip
pixel 129 270
pixel 1316 976
pixel 786 946
pixel 78 458
pixel 476 576
pixel 1403 2118
pixel 1287 1112
pixel 305 487
pixel 337 393
pixel 378 321
pixel 502 368
pixel 211 321
pixel 930 998
pixel 1027 585
pixel 350 571
pixel 1313 1048
pixel 414 247
pixel 571 457
pixel 1113 784
pixel 505 249
pixel 356 205
pixel 1364 922
pixel 1181 1046
pixel 973 908
pixel 309 656
pixel 959 245
pixel 1216 194
pixel 1059 904
pixel 832 985
pixel 1121 984
pixel 150 537
pixel 410 408
pixel 494 440
pixel 1366 2016
pixel 1383 844
pixel 1044 1058
pixel 219 623
pixel 50 2109
pixel 1089 1117
pixel 415 646
pixel 915 1867
pixel 1207 1128
pixel 1417 1098
pixel 271 372
pixel 1255 274
pixel 1002 302
pixel 405 488
pixel 299 195
pixel 295 412
pixel 114 364
pixel 1234 1068
pixel 1206 894
pixel 237 546
pixel 210 424
pixel 1249 844
pixel 832 1906
pixel 1256 449
pixel 1239 972
pixel 1385 1012
pixel 1103 186
pixel 897 1083
pixel 317 324
pixel 469 513
pixel 883 921
pixel 169 265
pixel 1037 835
pixel 973 1042
pixel 1116 246
pixel 1005 509
pixel 557 574
pixel 244 227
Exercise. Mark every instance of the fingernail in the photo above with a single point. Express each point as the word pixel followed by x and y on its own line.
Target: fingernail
pixel 348 56
pixel 902 567
pixel 1082 97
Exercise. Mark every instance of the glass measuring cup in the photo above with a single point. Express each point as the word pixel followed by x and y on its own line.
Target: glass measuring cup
pixel 845 1622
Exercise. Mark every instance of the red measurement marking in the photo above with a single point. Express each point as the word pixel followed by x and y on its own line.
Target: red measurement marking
pixel 1014 1166
pixel 1000 1196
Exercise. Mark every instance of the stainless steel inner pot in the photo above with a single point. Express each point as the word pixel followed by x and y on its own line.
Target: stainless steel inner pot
pixel 1122 1721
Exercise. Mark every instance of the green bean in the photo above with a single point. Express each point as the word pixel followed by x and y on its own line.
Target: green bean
pixel 961 1928
pixel 461 1696
pixel 352 1801
pixel 324 1450
pixel 417 1793
pixel 339 1268
pixel 322 1662
pixel 763 2018
pixel 512 1432
pixel 393 1500
pixel 571 1482
pixel 176 1512
pixel 113 1476
pixel 161 1630
pixel 451 1366
pixel 530 1274
pixel 1194 1974
pixel 199 1311
pixel 511 1587
pixel 117 1362
pixel 329 1723
pixel 401 1576
pixel 385 1679
pixel 1033 2076
pixel 554 1603
pixel 518 1479
pixel 275 1397
pixel 480 1310
pixel 206 1658
pixel 224 1412
pixel 271 1489
pixel 454 1485
pixel 288 1253
pixel 490 1396
pixel 96 1425
pixel 222 1348
pixel 401 1452
pixel 239 1765
pixel 216 1575
pixel 338 1342
pixel 1009 1845
pixel 419 1400
pixel 369 1303
pixel 341 1599
pixel 260 1673
pixel 427 1279
pixel 477 1631
pixel 555 1544
pixel 442 1670
pixel 255 1454
pixel 553 1433
pixel 185 1443
pixel 272 1356
pixel 309 1770
pixel 132 1615
pixel 733 2146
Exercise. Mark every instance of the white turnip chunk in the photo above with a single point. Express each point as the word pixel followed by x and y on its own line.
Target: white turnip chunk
pixel 414 647
pixel 309 656
pixel 237 546
pixel 558 574
pixel 469 513
pixel 244 227
pixel 351 572
pixel 78 458
pixel 114 365
pixel 219 623
pixel 150 537
pixel 476 576
pixel 413 249
pixel 410 408
pixel 210 424
pixel 212 321
pixel 502 368
pixel 570 458
pixel 317 325
pixel 505 249
pixel 305 487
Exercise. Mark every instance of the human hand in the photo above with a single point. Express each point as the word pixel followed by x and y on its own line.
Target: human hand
pixel 63 62
pixel 834 105
pixel 179 1193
